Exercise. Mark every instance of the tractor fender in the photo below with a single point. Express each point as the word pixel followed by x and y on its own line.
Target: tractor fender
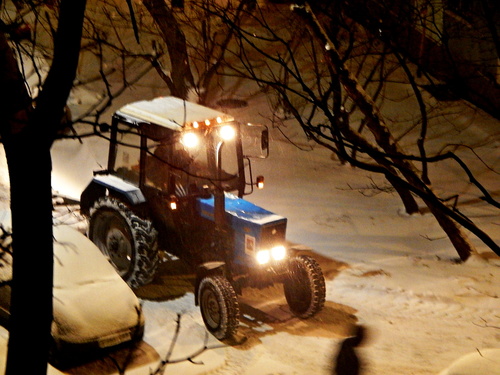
pixel 206 269
pixel 295 249
pixel 102 185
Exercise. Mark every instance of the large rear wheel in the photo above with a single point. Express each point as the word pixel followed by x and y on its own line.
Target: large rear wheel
pixel 129 242
pixel 219 306
pixel 304 286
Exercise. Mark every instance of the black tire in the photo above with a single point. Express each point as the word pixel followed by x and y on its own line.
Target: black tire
pixel 304 287
pixel 219 306
pixel 129 242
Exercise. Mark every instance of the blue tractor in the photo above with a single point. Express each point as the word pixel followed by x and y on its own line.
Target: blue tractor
pixel 176 175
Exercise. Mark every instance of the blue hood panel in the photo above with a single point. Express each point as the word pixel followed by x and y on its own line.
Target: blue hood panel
pixel 254 227
pixel 239 208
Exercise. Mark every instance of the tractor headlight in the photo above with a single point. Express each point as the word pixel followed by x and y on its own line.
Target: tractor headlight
pixel 263 256
pixel 277 253
pixel 227 132
pixel 190 140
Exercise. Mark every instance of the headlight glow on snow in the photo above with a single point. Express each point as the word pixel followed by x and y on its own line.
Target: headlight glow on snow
pixel 190 140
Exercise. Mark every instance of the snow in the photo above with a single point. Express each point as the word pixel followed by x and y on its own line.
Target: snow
pixel 395 274
pixel 479 362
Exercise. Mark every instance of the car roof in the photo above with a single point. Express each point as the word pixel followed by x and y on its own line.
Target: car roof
pixel 77 260
pixel 170 112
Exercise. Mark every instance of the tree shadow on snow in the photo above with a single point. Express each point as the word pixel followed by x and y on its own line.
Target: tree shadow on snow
pixel 173 280
pixel 117 361
pixel 266 312
pixel 259 319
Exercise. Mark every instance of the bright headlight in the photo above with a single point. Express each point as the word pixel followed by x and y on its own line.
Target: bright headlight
pixel 227 132
pixel 190 140
pixel 263 256
pixel 278 252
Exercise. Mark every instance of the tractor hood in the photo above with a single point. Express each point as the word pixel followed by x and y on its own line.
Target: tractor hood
pixel 254 227
pixel 238 209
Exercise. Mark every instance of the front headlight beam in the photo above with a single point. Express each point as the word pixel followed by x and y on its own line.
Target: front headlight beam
pixel 276 254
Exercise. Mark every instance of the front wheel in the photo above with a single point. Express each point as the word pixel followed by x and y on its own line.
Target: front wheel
pixel 304 286
pixel 219 306
pixel 129 242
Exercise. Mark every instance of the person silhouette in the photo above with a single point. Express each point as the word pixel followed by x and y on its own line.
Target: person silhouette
pixel 347 361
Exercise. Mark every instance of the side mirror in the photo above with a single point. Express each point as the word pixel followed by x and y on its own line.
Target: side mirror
pixel 255 141
pixel 264 141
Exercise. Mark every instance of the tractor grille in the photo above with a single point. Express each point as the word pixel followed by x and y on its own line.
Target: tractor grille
pixel 272 235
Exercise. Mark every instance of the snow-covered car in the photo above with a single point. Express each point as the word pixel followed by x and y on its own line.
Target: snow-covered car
pixel 94 309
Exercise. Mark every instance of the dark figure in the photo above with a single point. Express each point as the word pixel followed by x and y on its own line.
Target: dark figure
pixel 347 362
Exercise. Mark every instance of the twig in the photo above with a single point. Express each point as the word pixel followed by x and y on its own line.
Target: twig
pixel 486 325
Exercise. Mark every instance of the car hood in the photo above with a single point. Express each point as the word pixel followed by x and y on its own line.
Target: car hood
pixel 77 260
pixel 96 309
pixel 90 299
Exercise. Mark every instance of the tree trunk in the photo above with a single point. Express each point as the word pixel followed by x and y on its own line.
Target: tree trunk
pixel 459 240
pixel 27 135
pixel 411 206
pixel 31 300
pixel 181 78
pixel 29 171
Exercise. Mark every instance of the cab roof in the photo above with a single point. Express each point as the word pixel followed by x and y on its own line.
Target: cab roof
pixel 170 112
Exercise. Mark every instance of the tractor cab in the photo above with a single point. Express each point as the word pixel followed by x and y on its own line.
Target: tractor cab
pixel 180 149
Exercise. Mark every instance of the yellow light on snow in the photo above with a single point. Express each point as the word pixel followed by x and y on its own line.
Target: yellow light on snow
pixel 278 252
pixel 219 120
pixel 263 256
pixel 196 125
pixel 207 122
pixel 190 140
pixel 227 132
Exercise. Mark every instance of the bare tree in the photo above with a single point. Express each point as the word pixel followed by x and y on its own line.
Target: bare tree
pixel 327 71
pixel 195 40
pixel 28 130
pixel 185 47
pixel 181 79
pixel 36 114
pixel 456 41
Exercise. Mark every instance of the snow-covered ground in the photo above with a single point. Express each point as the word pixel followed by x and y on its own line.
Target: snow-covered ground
pixel 395 274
